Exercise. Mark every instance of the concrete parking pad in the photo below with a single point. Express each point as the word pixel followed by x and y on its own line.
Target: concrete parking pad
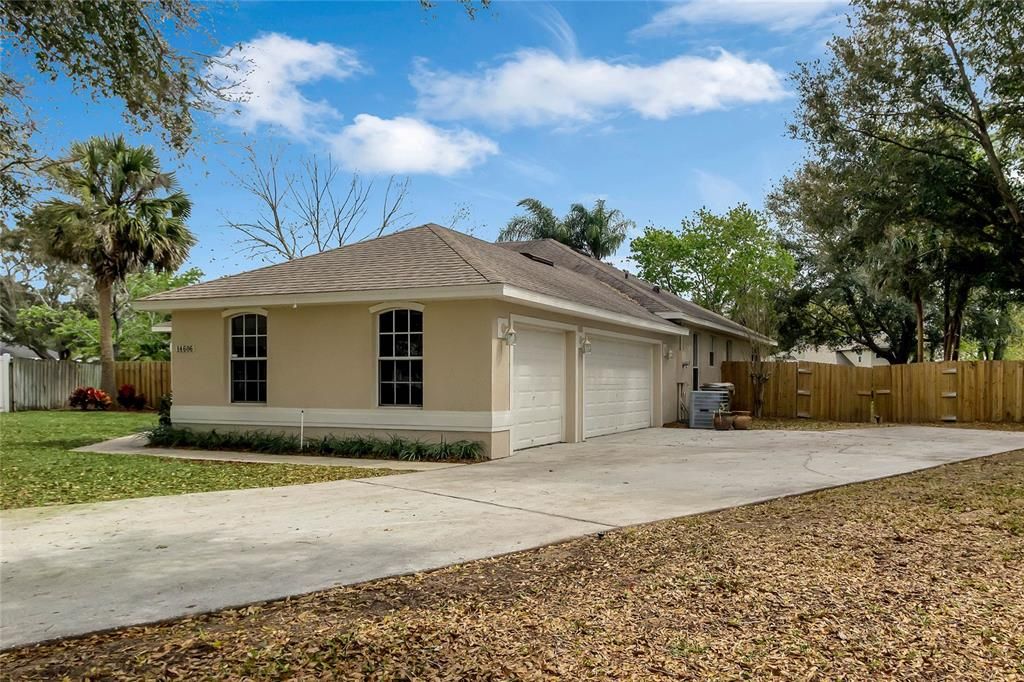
pixel 74 569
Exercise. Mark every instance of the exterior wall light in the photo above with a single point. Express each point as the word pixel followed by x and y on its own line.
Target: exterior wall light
pixel 586 346
pixel 509 336
pixel 669 354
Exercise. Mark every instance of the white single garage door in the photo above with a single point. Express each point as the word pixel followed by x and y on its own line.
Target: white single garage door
pixel 538 388
pixel 616 387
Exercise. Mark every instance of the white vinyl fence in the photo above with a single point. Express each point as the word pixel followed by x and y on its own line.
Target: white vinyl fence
pixel 46 384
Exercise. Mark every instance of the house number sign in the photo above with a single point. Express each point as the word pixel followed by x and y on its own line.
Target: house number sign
pixel 184 348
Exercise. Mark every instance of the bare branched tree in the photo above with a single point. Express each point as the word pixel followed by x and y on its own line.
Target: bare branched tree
pixel 314 210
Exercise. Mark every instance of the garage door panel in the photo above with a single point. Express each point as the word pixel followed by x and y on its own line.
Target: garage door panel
pixel 617 387
pixel 538 393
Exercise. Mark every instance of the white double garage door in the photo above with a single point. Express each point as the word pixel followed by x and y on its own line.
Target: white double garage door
pixel 617 387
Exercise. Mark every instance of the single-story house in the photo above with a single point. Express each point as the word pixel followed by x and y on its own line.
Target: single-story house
pixel 851 355
pixel 429 333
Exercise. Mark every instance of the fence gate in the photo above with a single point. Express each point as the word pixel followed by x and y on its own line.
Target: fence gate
pixel 964 392
pixel 949 387
pixel 804 382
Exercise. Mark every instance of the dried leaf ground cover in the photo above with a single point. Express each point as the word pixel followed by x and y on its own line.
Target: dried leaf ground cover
pixel 915 577
pixel 38 467
pixel 779 423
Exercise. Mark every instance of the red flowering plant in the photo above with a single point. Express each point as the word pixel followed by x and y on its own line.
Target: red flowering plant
pixel 129 399
pixel 85 397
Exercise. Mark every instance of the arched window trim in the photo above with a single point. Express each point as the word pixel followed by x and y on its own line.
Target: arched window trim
pixel 399 350
pixel 247 357
pixel 235 312
pixel 396 305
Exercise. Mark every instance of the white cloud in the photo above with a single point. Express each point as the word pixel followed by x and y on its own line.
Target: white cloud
pixel 776 15
pixel 536 87
pixel 408 145
pixel 265 75
pixel 555 24
pixel 718 193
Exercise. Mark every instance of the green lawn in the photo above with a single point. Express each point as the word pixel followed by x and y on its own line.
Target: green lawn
pixel 38 468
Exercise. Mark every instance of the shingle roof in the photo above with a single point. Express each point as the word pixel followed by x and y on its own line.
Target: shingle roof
pixel 434 256
pixel 655 300
pixel 408 259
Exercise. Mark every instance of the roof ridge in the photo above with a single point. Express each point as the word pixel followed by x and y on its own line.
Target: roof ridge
pixel 434 228
pixel 287 261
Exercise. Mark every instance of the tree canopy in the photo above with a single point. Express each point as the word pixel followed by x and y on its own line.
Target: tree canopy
pixel 910 198
pixel 721 262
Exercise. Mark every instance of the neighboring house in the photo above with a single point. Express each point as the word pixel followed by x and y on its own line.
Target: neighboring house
pixel 18 351
pixel 850 356
pixel 430 333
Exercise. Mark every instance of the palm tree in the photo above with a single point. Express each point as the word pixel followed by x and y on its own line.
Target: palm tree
pixel 597 231
pixel 121 215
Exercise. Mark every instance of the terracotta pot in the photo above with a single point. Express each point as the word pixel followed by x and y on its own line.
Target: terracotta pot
pixel 741 421
pixel 723 421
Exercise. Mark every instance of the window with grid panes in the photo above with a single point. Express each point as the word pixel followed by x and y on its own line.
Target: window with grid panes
pixel 400 358
pixel 249 358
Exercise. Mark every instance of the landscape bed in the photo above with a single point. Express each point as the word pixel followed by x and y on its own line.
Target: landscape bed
pixel 393 447
pixel 39 466
pixel 912 577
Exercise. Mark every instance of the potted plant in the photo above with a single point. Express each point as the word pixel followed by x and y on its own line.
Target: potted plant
pixel 741 420
pixel 723 418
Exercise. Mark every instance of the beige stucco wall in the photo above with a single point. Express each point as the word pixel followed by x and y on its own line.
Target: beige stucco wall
pixel 324 357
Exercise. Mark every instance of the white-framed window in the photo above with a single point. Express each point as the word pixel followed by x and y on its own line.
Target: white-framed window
pixel 711 353
pixel 248 358
pixel 400 358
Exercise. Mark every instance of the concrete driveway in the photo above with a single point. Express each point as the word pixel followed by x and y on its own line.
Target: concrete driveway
pixel 78 568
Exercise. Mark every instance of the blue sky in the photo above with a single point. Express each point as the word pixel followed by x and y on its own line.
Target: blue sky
pixel 660 108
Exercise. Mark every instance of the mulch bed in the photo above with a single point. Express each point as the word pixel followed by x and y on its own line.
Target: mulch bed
pixel 915 577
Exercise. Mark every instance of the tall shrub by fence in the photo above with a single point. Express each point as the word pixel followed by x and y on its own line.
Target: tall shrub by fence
pixel 46 384
pixel 990 391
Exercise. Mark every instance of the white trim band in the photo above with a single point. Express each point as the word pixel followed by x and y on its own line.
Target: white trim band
pixel 368 296
pixel 382 418
pixel 706 324
pixel 566 307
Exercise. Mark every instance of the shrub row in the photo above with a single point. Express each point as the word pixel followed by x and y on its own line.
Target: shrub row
pixel 85 397
pixel 392 447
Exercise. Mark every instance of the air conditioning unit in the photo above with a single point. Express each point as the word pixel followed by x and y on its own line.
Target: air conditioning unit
pixel 703 405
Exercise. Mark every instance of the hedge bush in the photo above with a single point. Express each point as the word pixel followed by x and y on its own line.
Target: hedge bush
pixel 85 397
pixel 129 398
pixel 392 447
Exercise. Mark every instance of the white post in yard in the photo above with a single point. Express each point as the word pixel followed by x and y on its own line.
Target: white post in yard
pixel 6 385
pixel 302 430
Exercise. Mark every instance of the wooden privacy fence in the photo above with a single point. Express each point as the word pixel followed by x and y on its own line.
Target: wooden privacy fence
pixel 46 384
pixel 989 391
pixel 151 378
